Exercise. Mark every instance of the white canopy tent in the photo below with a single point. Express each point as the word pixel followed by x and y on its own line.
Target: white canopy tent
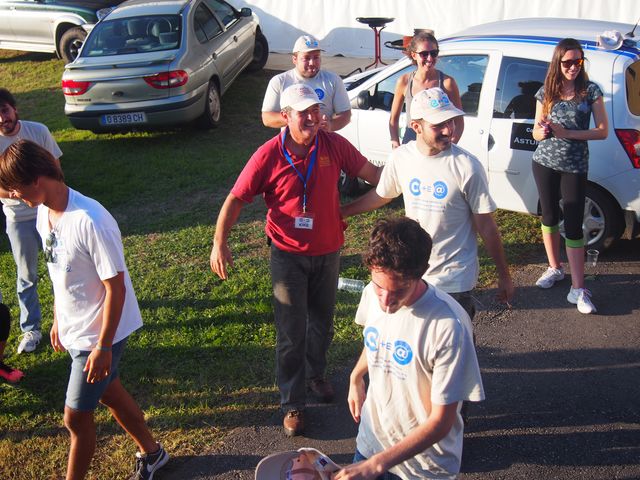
pixel 334 23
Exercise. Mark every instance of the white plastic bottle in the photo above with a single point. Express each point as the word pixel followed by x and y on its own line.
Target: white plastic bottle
pixel 350 285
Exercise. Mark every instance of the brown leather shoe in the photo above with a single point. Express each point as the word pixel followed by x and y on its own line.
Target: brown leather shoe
pixel 321 389
pixel 293 423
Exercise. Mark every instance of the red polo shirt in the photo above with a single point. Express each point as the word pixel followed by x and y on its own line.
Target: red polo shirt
pixel 269 173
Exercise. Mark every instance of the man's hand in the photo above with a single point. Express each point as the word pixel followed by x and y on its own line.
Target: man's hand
pixel 358 471
pixel 54 337
pixel 506 290
pixel 219 258
pixel 356 398
pixel 98 365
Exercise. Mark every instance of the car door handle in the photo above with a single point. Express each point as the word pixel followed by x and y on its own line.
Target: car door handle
pixel 235 39
pixel 491 142
pixel 214 55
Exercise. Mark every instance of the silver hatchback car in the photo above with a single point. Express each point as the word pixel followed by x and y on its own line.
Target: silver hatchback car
pixel 155 63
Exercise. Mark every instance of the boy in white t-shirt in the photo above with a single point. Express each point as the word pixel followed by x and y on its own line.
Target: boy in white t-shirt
pixel 95 305
pixel 419 355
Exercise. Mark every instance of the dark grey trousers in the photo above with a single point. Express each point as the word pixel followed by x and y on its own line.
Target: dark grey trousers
pixel 304 297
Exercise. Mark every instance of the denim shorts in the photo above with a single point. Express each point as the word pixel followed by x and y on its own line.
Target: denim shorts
pixel 83 396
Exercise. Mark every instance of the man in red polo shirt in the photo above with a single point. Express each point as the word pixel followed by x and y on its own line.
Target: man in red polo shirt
pixel 297 174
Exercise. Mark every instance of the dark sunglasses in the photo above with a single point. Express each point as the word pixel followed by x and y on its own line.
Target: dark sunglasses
pixel 50 243
pixel 425 53
pixel 570 63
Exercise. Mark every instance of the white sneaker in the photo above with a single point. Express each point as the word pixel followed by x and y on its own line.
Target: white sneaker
pixel 551 276
pixel 582 298
pixel 29 341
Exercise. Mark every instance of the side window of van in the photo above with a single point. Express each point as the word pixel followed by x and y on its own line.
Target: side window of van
pixel 518 82
pixel 468 72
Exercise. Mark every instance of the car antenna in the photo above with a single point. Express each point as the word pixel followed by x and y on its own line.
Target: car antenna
pixel 632 33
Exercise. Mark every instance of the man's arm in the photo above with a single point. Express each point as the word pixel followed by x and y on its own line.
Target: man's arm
pixel 367 202
pixel 357 390
pixel 419 439
pixel 273 119
pixel 99 360
pixel 339 120
pixel 486 226
pixel 370 173
pixel 220 253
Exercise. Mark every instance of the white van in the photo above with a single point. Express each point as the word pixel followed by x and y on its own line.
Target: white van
pixel 497 63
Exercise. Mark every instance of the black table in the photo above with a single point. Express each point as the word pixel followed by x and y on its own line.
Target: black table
pixel 377 24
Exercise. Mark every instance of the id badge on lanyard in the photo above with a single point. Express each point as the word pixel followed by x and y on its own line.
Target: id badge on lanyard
pixel 304 220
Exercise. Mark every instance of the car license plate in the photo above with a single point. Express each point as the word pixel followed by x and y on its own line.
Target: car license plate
pixel 123 118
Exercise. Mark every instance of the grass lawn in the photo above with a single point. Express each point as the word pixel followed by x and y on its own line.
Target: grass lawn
pixel 204 361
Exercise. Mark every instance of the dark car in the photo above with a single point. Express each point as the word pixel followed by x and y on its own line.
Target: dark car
pixel 52 26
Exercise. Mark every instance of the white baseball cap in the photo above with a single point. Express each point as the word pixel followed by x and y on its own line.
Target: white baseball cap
pixel 302 464
pixel 434 106
pixel 306 43
pixel 299 97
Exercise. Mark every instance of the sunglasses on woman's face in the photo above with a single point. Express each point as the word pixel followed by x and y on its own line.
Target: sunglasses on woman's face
pixel 425 53
pixel 570 63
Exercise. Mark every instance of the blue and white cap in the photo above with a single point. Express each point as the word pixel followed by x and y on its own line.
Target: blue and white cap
pixel 434 106
pixel 299 97
pixel 306 43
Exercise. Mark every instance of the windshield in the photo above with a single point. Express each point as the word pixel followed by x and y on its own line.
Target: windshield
pixel 150 33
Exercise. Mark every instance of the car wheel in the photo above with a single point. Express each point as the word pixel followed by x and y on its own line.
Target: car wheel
pixel 212 107
pixel 348 185
pixel 260 53
pixel 71 42
pixel 602 222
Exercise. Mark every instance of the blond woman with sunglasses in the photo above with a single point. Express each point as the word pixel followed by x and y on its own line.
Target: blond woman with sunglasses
pixel 423 51
pixel 565 104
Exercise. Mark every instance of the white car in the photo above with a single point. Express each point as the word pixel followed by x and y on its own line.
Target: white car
pixel 498 68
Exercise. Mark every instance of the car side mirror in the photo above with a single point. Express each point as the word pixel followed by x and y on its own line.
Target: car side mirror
pixel 362 101
pixel 245 12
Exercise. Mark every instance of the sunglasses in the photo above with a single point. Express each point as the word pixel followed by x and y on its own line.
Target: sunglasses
pixel 50 243
pixel 570 63
pixel 425 53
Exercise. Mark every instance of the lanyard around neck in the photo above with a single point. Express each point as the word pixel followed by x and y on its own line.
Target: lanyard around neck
pixel 304 179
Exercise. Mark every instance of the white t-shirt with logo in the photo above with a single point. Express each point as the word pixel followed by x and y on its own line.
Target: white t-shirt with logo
pixel 420 355
pixel 442 192
pixel 327 85
pixel 87 250
pixel 16 210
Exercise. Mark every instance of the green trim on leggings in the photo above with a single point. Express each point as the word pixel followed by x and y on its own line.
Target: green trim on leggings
pixel 552 229
pixel 579 243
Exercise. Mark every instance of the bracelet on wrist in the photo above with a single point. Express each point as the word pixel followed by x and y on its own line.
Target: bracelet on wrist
pixel 103 348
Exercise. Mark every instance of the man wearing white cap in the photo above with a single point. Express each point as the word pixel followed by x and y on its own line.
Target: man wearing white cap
pixel 335 109
pixel 297 173
pixel 445 189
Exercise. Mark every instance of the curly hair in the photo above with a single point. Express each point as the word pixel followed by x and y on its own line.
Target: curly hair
pixel 553 80
pixel 23 162
pixel 419 38
pixel 399 245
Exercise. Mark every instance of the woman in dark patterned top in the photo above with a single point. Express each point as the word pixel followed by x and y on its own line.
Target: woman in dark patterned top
pixel 564 107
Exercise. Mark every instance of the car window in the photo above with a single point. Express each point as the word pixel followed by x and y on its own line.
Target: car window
pixel 205 24
pixel 468 72
pixel 225 12
pixel 632 77
pixel 134 35
pixel 518 82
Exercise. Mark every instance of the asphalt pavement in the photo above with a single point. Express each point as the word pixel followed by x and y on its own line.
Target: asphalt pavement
pixel 562 390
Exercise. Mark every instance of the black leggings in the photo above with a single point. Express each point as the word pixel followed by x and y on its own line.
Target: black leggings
pixel 5 323
pixel 571 187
